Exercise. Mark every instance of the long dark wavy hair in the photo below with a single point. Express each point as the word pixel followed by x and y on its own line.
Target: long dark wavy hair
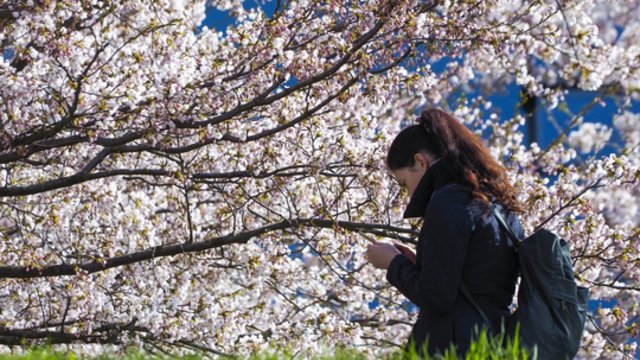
pixel 463 155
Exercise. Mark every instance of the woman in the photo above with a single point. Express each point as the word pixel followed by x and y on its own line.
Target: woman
pixel 452 181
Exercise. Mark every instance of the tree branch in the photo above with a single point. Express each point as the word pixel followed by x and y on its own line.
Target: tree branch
pixel 263 100
pixel 186 247
pixel 106 334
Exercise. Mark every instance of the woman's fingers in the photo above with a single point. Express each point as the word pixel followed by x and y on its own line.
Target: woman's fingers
pixel 404 250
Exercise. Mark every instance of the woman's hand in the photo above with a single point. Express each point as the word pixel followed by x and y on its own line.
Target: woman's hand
pixel 381 254
pixel 406 252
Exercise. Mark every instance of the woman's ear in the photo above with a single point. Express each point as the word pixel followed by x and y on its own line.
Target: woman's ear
pixel 421 161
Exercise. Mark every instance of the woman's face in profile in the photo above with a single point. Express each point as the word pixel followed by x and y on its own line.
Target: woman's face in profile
pixel 408 177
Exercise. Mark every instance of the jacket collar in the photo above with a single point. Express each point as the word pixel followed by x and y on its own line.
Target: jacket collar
pixel 435 177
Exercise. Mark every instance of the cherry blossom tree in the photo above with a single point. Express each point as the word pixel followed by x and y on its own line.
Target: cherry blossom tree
pixel 177 187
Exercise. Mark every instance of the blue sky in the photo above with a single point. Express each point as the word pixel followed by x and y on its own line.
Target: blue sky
pixel 506 101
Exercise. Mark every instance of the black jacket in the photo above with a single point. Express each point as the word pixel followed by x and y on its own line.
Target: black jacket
pixel 459 241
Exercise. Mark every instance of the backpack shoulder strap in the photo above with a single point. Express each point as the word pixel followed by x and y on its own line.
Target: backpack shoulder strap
pixel 516 241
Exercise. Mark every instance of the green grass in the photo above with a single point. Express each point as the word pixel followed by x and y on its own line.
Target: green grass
pixel 492 348
pixel 47 353
pixel 484 348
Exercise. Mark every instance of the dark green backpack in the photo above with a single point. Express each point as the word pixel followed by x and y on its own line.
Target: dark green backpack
pixel 551 307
